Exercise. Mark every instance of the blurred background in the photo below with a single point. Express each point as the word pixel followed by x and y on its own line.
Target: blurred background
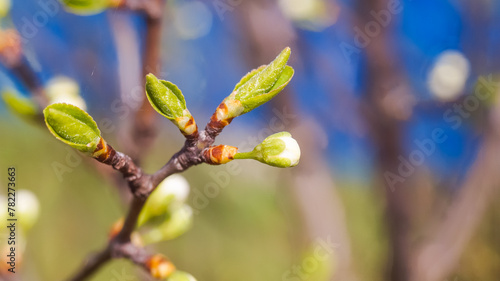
pixel 394 104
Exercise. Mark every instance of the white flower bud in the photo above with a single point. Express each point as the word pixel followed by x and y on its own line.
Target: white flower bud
pixel 28 208
pixel 65 90
pixel 174 226
pixel 279 150
pixel 171 192
pixel 176 185
pixel 291 151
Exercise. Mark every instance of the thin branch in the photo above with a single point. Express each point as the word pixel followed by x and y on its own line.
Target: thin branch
pixel 92 265
pixel 141 186
pixel 143 129
pixel 11 55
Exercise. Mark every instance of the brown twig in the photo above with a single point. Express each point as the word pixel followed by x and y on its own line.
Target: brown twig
pixel 143 130
pixel 388 104
pixel 11 55
pixel 142 185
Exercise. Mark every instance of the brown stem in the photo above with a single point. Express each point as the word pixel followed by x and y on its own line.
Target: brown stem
pixel 385 109
pixel 143 129
pixel 11 55
pixel 141 185
pixel 92 265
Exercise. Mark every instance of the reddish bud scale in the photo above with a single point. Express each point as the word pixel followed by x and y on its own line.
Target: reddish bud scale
pixel 221 154
pixel 116 228
pixel 159 266
pixel 117 3
pixel 103 151
pixel 215 121
pixel 10 47
pixel 190 129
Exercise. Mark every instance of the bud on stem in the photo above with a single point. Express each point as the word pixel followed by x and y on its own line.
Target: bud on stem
pixel 10 47
pixel 221 154
pixel 279 150
pixel 256 88
pixel 76 128
pixel 159 266
pixel 166 98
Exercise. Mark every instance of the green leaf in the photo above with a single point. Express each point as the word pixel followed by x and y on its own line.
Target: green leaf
pixel 256 101
pixel 87 7
pixel 18 104
pixel 248 76
pixel 165 97
pixel 264 80
pixel 72 126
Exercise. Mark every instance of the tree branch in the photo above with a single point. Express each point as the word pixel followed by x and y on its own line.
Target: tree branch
pixel 141 186
pixel 143 129
pixel 11 55
pixel 92 265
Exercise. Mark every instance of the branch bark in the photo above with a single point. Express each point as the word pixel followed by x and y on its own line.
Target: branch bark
pixel 142 185
pixel 388 103
pixel 143 132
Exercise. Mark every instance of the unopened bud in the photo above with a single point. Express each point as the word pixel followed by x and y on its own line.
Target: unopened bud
pixel 159 267
pixel 28 209
pixel 256 88
pixel 221 154
pixel 174 226
pixel 64 90
pixel 279 150
pixel 171 192
pixel 76 128
pixel 166 98
pixel 11 50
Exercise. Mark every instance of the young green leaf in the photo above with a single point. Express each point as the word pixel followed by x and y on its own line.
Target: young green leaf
pixel 18 104
pixel 264 80
pixel 89 7
pixel 256 88
pixel 72 126
pixel 166 98
pixel 278 150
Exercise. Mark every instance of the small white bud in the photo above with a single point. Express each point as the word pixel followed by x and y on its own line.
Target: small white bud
pixel 291 151
pixel 28 208
pixel 279 150
pixel 170 193
pixel 65 90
